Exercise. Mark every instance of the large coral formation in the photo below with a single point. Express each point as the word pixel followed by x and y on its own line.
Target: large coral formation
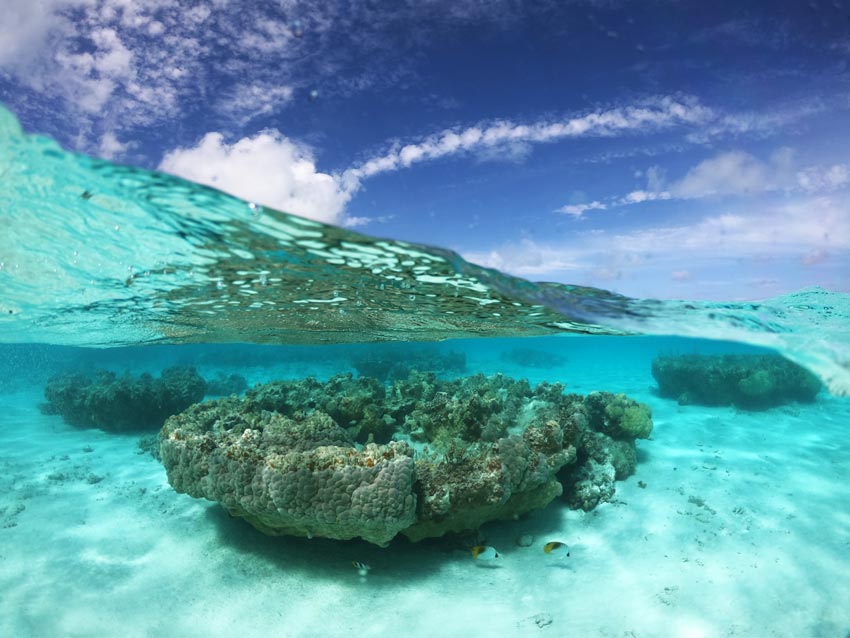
pixel 533 358
pixel 392 362
pixel 225 385
pixel 126 403
pixel 468 487
pixel 748 381
pixel 287 458
pixel 618 416
pixel 299 476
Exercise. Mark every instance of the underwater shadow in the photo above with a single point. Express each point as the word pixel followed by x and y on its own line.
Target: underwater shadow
pixel 332 559
pixel 401 561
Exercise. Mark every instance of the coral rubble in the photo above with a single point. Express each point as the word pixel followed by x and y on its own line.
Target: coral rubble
pixel 748 381
pixel 122 403
pixel 423 456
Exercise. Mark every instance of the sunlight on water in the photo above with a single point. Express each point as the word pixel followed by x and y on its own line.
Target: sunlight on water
pixel 99 254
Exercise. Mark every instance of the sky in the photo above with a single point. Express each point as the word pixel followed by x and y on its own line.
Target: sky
pixel 657 148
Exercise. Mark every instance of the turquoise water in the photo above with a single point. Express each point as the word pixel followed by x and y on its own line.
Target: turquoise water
pixel 725 512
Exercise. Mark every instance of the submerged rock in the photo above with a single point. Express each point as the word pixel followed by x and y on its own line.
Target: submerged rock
pixel 748 381
pixel 286 458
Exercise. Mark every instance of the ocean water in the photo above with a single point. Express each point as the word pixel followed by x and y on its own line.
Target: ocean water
pixel 734 522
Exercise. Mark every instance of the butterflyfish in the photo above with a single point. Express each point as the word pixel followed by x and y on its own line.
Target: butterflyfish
pixel 557 548
pixel 484 552
pixel 362 568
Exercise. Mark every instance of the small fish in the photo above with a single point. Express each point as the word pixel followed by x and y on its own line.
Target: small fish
pixel 558 548
pixel 484 552
pixel 362 568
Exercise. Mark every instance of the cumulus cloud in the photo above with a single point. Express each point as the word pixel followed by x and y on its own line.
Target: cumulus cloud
pixel 277 171
pixel 268 169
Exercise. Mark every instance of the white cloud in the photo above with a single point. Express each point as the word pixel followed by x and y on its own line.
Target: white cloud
pixel 268 169
pixel 756 123
pixel 527 258
pixel 664 112
pixel 24 28
pixel 807 230
pixel 577 210
pixel 737 173
pixel 113 58
pixel 351 221
pixel 110 147
pixel 816 178
pixel 142 62
pixel 640 196
pixel 513 152
pixel 249 100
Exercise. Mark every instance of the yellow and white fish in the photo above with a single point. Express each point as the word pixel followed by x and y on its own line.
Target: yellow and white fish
pixel 362 568
pixel 557 548
pixel 484 553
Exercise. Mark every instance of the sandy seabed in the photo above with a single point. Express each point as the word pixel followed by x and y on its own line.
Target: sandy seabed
pixel 736 524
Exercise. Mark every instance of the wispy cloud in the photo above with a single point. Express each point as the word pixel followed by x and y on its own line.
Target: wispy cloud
pixel 578 210
pixel 824 178
pixel 811 231
pixel 653 115
pixel 528 258
pixel 132 64
pixel 640 196
pixel 733 173
pixel 249 100
pixel 762 123
pixel 272 169
pixel 739 173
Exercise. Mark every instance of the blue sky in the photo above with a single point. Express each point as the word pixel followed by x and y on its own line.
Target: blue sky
pixel 670 149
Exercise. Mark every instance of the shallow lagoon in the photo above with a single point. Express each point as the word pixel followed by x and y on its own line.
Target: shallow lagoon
pixel 729 514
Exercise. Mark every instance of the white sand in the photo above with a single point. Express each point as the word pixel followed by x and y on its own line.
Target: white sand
pixel 743 529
